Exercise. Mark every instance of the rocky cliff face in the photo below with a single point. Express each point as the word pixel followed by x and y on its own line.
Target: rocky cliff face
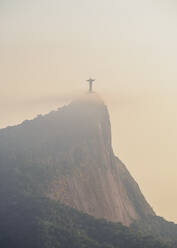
pixel 67 155
pixel 99 183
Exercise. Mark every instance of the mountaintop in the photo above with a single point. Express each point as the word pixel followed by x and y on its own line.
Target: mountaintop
pixel 71 152
pixel 61 164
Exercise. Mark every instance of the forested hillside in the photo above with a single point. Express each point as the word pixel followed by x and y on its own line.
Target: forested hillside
pixel 39 222
pixel 67 155
pixel 64 161
pixel 157 227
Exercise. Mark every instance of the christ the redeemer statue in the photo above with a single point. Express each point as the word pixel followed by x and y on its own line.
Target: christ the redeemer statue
pixel 90 80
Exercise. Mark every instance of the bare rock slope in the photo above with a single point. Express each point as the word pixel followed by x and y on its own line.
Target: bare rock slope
pixel 67 155
pixel 98 182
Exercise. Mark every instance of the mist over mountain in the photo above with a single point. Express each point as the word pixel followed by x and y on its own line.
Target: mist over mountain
pixel 63 161
pixel 75 144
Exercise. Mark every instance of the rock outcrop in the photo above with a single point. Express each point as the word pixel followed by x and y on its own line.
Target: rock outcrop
pixel 98 183
pixel 67 155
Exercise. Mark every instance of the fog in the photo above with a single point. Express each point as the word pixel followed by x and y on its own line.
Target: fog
pixel 49 48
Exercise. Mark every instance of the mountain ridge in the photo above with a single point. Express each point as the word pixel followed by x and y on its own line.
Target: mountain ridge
pixel 64 160
pixel 71 152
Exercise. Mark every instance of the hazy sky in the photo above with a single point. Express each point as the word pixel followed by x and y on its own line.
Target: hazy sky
pixel 48 49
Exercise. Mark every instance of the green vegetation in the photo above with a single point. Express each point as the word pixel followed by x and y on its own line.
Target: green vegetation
pixel 157 227
pixel 30 158
pixel 30 220
pixel 39 222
